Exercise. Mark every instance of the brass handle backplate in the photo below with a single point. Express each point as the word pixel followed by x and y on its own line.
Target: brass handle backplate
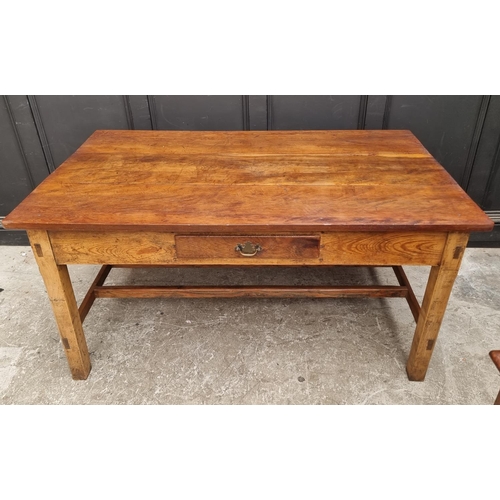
pixel 248 249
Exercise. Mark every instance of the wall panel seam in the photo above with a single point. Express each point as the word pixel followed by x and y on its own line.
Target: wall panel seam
pixel 474 144
pixel 269 110
pixel 152 112
pixel 363 107
pixel 245 102
pixel 42 135
pixel 19 143
pixel 128 112
pixel 387 112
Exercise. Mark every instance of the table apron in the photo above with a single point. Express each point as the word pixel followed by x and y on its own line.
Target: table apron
pixel 377 248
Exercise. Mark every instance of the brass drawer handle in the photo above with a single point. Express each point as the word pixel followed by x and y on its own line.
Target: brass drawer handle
pixel 248 249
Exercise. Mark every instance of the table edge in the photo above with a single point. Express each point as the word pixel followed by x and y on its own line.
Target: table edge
pixel 486 226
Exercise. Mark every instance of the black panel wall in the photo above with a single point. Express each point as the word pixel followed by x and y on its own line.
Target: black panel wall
pixel 37 133
pixel 444 124
pixel 16 179
pixel 484 184
pixel 65 122
pixel 314 112
pixel 211 112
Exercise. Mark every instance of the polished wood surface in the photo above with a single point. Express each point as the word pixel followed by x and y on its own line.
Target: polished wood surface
pixel 202 247
pixel 272 181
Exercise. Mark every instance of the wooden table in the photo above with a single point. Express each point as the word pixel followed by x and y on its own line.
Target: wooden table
pixel 311 198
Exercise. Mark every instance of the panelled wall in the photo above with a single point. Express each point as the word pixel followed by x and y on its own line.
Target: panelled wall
pixel 37 133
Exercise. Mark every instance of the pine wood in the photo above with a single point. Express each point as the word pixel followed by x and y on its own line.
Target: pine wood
pixel 411 299
pixel 383 248
pixel 434 304
pixel 117 247
pixel 326 198
pixel 339 248
pixel 89 298
pixel 62 299
pixel 204 292
pixel 272 181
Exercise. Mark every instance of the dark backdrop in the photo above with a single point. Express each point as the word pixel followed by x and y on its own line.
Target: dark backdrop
pixel 37 133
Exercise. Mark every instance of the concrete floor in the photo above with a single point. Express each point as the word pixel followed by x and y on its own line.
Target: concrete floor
pixel 248 351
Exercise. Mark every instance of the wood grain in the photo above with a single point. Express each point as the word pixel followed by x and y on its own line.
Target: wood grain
pixel 223 247
pixel 209 168
pixel 434 304
pixel 341 142
pixel 119 247
pixel 155 248
pixel 383 248
pixel 368 197
pixel 89 298
pixel 411 299
pixel 62 299
pixel 151 292
pixel 223 182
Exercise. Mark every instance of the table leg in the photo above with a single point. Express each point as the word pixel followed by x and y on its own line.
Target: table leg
pixel 436 297
pixel 62 298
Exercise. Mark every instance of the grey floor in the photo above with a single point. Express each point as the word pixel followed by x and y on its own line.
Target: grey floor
pixel 248 351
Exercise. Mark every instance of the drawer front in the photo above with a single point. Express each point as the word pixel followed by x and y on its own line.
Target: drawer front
pixel 244 248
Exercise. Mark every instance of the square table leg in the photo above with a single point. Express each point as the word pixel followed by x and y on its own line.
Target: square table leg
pixel 62 298
pixel 436 297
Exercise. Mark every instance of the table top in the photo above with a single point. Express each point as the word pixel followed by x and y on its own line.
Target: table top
pixel 380 180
